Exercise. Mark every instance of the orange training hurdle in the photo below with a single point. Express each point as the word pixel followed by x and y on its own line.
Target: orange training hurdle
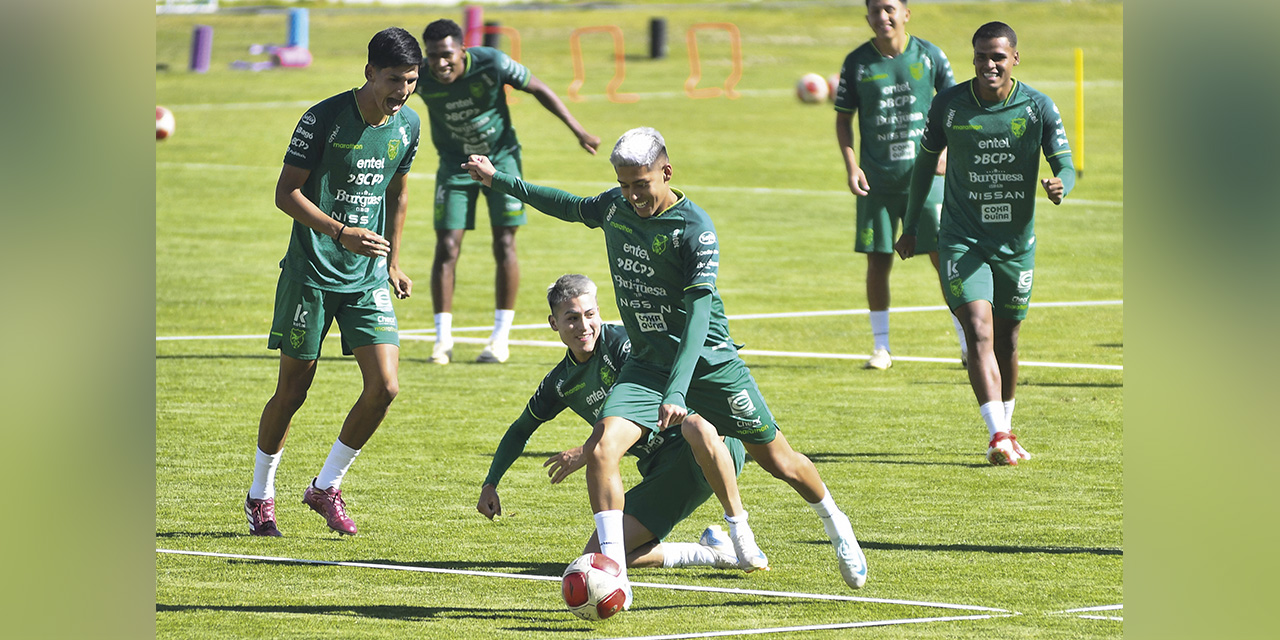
pixel 695 64
pixel 619 64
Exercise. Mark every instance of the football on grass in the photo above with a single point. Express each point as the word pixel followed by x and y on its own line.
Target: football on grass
pixel 592 587
pixel 812 88
pixel 164 123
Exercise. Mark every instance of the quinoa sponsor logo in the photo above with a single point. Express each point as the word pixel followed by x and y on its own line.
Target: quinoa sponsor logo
pixel 1002 212
pixel 650 322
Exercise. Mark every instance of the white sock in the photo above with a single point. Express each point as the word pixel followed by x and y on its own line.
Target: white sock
pixel 444 327
pixel 264 474
pixel 738 525
pixel 502 319
pixel 612 543
pixel 1008 412
pixel 964 346
pixel 834 521
pixel 880 329
pixel 335 466
pixel 993 414
pixel 686 554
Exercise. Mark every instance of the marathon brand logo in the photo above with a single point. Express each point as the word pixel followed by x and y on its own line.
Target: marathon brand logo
pixel 620 227
pixel 576 388
pixel 1002 212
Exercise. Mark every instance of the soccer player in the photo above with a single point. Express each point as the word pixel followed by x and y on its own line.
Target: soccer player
pixel 664 259
pixel 889 82
pixel 672 483
pixel 466 100
pixel 996 128
pixel 344 185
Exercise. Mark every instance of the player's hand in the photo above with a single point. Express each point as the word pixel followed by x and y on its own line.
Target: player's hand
pixel 481 169
pixel 401 285
pixel 589 142
pixel 670 415
pixel 1053 187
pixel 489 505
pixel 563 464
pixel 858 183
pixel 905 246
pixel 364 242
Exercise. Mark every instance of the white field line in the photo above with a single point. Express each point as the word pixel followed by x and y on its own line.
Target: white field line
pixel 518 576
pixel 811 627
pixel 660 95
pixel 1115 618
pixel 1107 607
pixel 429 334
pixel 596 187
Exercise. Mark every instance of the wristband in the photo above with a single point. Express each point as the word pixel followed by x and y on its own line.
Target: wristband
pixel 337 237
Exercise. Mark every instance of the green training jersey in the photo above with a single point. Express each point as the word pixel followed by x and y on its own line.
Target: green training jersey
pixel 470 115
pixel 891 97
pixel 993 161
pixel 653 261
pixel 581 387
pixel 351 164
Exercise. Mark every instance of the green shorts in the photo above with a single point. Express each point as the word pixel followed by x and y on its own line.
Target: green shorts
pixel 304 314
pixel 725 394
pixel 672 485
pixel 970 271
pixel 456 195
pixel 880 218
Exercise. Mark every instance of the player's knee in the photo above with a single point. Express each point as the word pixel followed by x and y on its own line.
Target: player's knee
pixel 290 399
pixel 448 249
pixel 382 393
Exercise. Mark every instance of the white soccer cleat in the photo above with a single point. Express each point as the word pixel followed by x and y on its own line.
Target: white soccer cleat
pixel 1001 452
pixel 853 562
pixel 715 539
pixel 495 352
pixel 442 352
pixel 880 360
pixel 750 557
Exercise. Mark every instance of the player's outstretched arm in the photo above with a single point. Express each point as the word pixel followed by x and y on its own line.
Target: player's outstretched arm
pixel 397 200
pixel 509 449
pixel 552 103
pixel 290 200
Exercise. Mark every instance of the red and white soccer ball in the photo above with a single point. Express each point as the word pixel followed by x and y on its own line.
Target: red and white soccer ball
pixel 164 123
pixel 592 587
pixel 812 88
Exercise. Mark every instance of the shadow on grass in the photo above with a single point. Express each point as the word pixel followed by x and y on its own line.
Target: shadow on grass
pixel 1104 385
pixel 201 534
pixel 877 458
pixel 979 548
pixel 377 611
pixel 519 568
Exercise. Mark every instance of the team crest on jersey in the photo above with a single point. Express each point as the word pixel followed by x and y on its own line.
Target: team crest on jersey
pixel 660 244
pixel 296 336
pixel 393 148
pixel 477 89
pixel 917 70
pixel 606 376
pixel 1019 126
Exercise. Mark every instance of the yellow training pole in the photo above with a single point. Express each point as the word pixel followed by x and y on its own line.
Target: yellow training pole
pixel 1078 152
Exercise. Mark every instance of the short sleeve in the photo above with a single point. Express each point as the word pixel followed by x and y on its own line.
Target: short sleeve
pixel 511 72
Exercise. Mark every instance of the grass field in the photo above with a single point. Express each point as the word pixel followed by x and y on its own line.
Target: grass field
pixel 901 450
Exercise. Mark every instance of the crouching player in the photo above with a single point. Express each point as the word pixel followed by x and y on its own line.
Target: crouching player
pixel 672 484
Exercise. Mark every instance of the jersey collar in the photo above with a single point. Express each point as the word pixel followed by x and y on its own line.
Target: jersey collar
pixel 982 103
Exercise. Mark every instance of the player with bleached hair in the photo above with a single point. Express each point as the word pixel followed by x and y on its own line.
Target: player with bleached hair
pixel 996 128
pixel 664 259
pixel 672 484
